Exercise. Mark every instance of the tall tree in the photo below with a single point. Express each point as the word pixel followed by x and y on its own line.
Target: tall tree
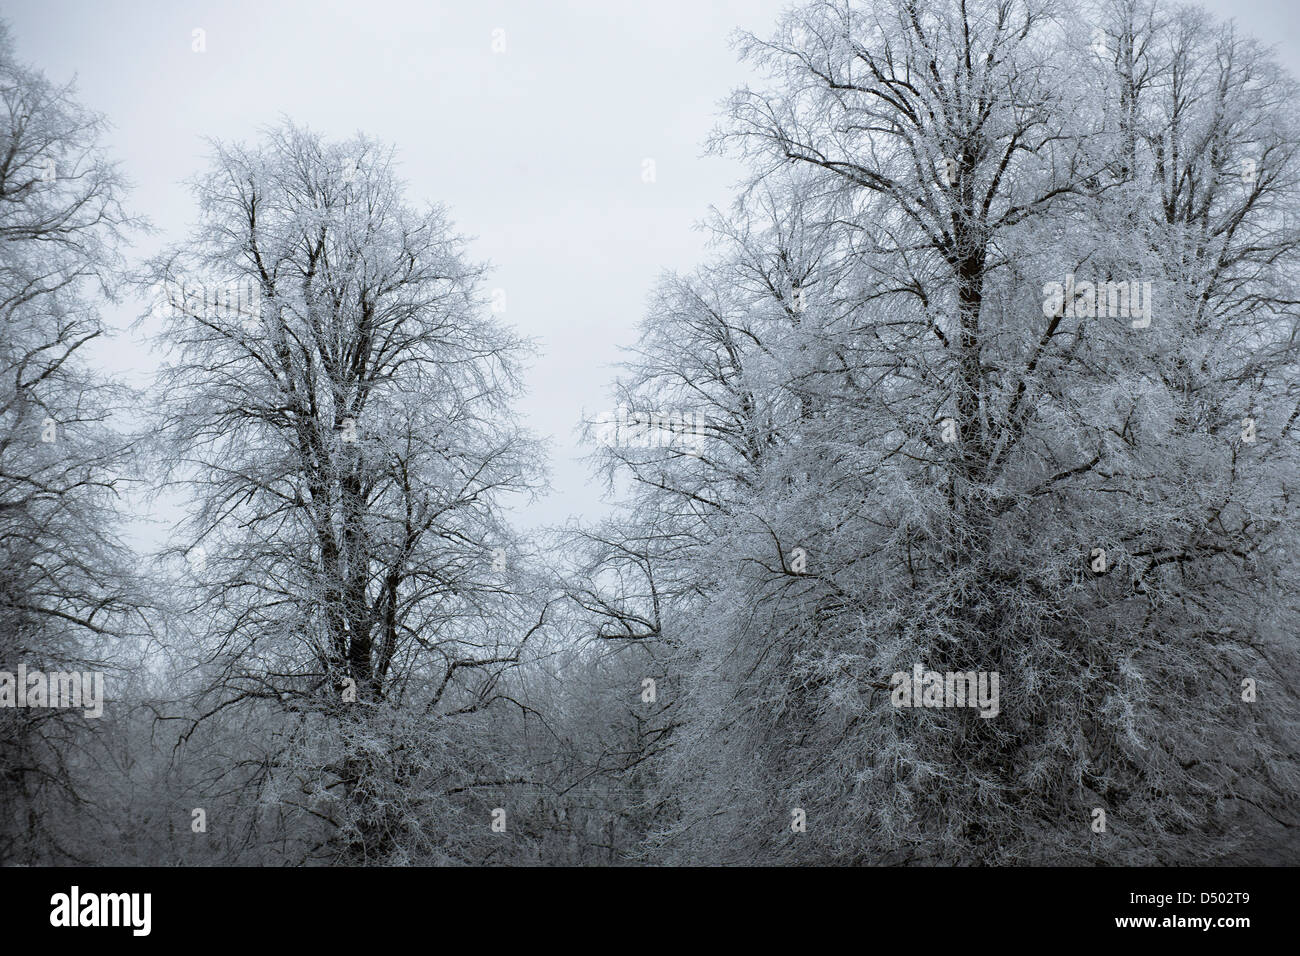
pixel 1032 417
pixel 338 403
pixel 65 591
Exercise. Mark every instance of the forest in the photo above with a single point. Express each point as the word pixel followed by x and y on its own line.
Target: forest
pixel 953 519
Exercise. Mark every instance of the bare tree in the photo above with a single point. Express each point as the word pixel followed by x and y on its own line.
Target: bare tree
pixel 939 460
pixel 338 407
pixel 65 590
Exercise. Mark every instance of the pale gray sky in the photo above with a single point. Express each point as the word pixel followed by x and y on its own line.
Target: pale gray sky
pixel 537 150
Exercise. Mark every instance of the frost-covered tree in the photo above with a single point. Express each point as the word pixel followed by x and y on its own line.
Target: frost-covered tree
pixel 996 364
pixel 66 594
pixel 337 407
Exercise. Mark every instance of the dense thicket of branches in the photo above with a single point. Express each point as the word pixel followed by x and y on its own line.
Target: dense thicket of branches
pixel 915 455
pixel 993 368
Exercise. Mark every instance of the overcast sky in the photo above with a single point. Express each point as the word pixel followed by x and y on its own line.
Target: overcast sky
pixel 538 150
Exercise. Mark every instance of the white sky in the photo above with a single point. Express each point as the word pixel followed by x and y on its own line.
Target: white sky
pixel 537 151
